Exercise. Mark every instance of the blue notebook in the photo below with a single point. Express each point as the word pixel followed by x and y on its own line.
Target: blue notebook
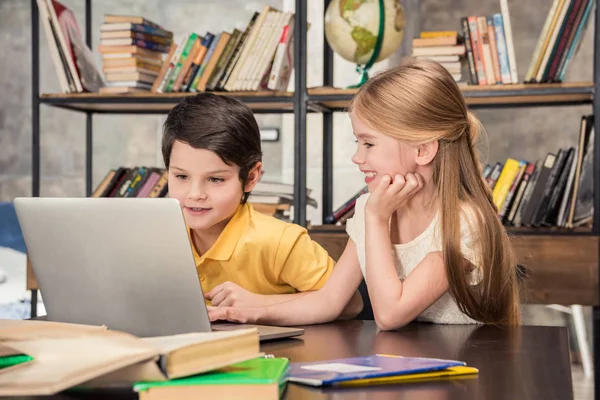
pixel 330 372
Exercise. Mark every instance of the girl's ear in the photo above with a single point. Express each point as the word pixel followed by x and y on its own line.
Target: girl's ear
pixel 426 152
pixel 253 177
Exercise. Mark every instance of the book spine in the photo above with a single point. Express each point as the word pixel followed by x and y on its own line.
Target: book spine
pixel 237 53
pixel 512 59
pixel 561 40
pixel 172 62
pixel 469 51
pixel 554 74
pixel 334 217
pixel 502 51
pixel 506 205
pixel 541 43
pixel 477 50
pixel 224 60
pixel 184 54
pixel 204 45
pixel 524 206
pixel 494 49
pixel 557 24
pixel 209 53
pixel 484 41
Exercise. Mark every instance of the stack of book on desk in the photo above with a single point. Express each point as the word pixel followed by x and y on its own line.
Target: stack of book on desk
pixel 44 358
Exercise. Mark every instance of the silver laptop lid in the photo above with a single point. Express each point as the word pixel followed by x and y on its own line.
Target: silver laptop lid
pixel 123 263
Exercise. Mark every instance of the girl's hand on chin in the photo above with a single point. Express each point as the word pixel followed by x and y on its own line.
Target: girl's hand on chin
pixel 390 195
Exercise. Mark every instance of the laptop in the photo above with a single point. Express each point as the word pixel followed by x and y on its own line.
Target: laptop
pixel 125 263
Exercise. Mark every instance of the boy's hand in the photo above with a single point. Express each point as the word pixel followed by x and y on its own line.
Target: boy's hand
pixel 240 315
pixel 391 195
pixel 229 294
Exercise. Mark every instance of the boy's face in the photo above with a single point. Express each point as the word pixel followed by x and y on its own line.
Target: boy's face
pixel 208 190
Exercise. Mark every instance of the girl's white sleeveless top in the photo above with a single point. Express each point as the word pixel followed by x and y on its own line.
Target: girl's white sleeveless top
pixel 409 255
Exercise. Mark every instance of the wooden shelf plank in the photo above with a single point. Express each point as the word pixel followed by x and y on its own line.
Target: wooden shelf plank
pixel 160 103
pixel 483 96
pixel 323 98
pixel 563 269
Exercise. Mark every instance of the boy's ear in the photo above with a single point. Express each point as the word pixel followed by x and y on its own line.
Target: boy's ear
pixel 253 177
pixel 426 152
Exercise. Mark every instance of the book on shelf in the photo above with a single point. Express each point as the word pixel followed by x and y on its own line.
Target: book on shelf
pixel 556 191
pixel 258 58
pixel 270 198
pixel 489 53
pixel 133 49
pixel 72 58
pixel 559 40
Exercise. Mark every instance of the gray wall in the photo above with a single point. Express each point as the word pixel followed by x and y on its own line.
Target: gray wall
pixel 131 140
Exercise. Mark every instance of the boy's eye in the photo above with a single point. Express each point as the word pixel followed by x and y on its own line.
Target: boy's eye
pixel 181 176
pixel 215 180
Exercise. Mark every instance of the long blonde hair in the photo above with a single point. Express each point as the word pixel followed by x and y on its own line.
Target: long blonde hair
pixel 419 102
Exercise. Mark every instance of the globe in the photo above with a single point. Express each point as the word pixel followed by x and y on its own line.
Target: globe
pixel 352 29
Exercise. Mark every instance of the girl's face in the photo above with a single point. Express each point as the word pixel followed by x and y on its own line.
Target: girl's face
pixel 378 154
pixel 208 189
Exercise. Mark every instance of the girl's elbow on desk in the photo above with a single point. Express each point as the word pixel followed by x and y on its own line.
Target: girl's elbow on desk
pixel 387 321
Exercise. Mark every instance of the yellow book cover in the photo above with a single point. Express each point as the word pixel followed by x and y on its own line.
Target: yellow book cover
pixel 449 373
pixel 437 34
pixel 505 180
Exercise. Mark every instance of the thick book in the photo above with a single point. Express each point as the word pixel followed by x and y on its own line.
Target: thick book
pixel 259 378
pixel 331 372
pixel 69 355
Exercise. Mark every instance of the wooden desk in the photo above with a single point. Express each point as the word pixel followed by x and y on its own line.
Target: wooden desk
pixel 529 362
pixel 525 363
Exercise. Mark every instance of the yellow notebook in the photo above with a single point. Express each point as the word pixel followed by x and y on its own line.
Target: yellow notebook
pixel 449 373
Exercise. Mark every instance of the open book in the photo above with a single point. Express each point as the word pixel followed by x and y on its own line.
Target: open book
pixel 67 355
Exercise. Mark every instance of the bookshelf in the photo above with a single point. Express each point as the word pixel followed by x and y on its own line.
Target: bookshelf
pixel 565 264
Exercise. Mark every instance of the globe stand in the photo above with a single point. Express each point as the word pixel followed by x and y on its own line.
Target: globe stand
pixel 363 70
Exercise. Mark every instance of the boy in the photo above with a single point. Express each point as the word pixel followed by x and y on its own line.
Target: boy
pixel 212 150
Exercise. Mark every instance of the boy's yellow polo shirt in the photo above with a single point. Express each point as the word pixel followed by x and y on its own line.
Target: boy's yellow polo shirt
pixel 263 255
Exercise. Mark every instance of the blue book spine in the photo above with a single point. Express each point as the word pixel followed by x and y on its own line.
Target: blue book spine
pixel 501 48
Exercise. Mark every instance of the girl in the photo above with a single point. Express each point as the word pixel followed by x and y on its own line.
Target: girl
pixel 426 239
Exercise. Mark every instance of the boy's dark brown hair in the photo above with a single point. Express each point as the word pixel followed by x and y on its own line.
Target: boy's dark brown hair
pixel 221 124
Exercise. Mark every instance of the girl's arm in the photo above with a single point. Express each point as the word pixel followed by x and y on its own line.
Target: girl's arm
pixel 323 305
pixel 395 302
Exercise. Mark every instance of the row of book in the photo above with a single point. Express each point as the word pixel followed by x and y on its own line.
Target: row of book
pixel 445 47
pixel 72 58
pixel 271 198
pixel 559 40
pixel 133 182
pixel 260 57
pixel 556 191
pixel 490 49
pixel 132 49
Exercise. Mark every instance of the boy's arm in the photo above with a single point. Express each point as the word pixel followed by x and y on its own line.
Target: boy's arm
pixel 229 294
pixel 324 305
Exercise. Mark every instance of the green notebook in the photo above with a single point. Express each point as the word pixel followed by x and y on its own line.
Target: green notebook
pixel 9 361
pixel 259 378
